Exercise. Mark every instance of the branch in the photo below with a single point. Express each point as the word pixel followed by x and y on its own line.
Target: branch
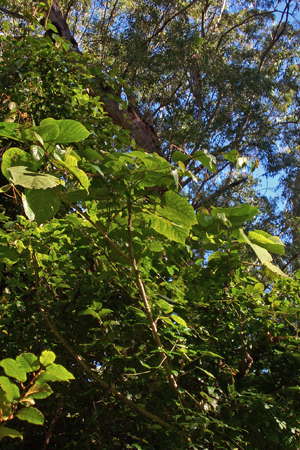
pixel 220 191
pixel 12 13
pixel 140 285
pixel 129 119
pixel 280 29
pixel 169 19
pixel 93 375
pixel 247 19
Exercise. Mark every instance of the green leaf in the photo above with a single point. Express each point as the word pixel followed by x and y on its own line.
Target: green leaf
pixel 55 372
pixel 179 320
pixel 39 391
pixel 175 219
pixel 70 163
pixel 180 156
pixel 47 357
pixel 263 255
pixel 9 432
pixel 11 389
pixel 165 306
pixel 209 374
pixel 48 130
pixel 17 157
pixel 22 176
pixel 28 361
pixel 41 204
pixel 62 131
pixel 207 160
pixel 8 255
pixel 231 156
pixel 9 130
pixel 266 240
pixel 237 215
pixel 13 369
pixel 275 269
pixel 51 27
pixel 210 354
pixel 31 415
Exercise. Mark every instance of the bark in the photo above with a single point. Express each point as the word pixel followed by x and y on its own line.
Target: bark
pixel 130 119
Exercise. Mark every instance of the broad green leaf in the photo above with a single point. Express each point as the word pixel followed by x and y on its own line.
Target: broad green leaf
pixel 9 432
pixel 68 131
pixel 266 240
pixel 262 254
pixel 47 357
pixel 206 159
pixel 55 372
pixel 165 306
pixel 175 219
pixel 41 204
pixel 17 157
pixel 48 130
pixel 39 391
pixel 28 361
pixel 31 415
pixel 11 389
pixel 169 229
pixel 9 130
pixel 13 369
pixel 20 175
pixel 275 269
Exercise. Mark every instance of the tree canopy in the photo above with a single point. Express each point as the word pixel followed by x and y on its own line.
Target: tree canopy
pixel 149 287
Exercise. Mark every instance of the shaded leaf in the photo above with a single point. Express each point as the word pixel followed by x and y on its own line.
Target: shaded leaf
pixel 31 415
pixel 39 391
pixel 9 432
pixel 11 389
pixel 41 204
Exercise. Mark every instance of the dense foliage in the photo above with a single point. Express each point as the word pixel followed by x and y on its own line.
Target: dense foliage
pixel 133 241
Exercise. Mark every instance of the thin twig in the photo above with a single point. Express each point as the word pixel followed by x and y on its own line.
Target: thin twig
pixel 91 373
pixel 145 300
pixel 169 19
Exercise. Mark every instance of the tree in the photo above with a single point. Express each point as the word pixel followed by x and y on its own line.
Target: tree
pixel 129 244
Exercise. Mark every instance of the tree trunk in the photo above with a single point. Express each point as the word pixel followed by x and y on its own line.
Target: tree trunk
pixel 130 119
